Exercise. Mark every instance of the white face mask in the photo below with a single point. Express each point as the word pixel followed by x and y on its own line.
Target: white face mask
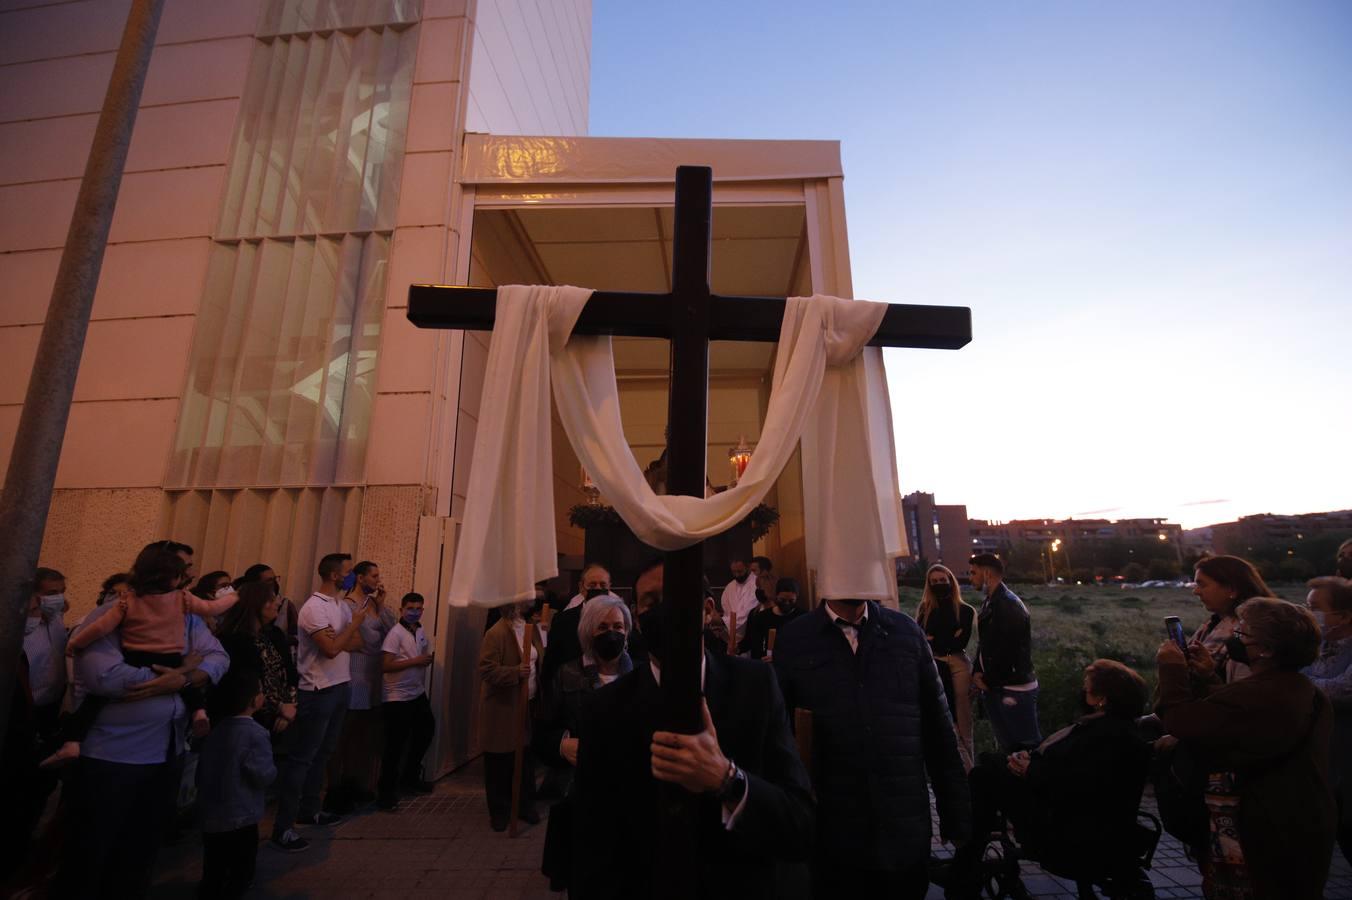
pixel 1319 617
pixel 55 604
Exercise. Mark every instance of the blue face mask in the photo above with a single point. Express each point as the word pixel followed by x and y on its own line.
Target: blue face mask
pixel 412 615
pixel 53 604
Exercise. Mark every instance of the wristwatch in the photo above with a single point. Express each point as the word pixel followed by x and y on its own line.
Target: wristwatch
pixel 734 785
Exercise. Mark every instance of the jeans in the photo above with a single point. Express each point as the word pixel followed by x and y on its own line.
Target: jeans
pixel 318 725
pixel 1013 718
pixel 409 727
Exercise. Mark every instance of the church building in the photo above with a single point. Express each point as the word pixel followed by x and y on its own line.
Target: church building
pixel 251 384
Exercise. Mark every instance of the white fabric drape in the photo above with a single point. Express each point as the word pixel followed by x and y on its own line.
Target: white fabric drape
pixel 828 389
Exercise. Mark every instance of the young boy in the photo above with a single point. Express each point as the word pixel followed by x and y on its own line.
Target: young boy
pixel 235 767
pixel 409 725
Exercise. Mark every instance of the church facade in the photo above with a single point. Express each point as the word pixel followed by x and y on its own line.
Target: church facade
pixel 250 383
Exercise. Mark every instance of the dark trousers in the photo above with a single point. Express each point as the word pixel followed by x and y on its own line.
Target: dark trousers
pixel 830 880
pixel 117 818
pixel 319 723
pixel 228 859
pixel 409 727
pixel 498 770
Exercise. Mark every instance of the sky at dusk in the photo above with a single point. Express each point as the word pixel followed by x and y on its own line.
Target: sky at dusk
pixel 1147 206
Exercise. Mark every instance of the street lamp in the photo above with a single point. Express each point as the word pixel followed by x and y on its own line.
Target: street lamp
pixel 1051 557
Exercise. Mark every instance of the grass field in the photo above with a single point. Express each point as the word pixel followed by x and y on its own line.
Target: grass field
pixel 1076 624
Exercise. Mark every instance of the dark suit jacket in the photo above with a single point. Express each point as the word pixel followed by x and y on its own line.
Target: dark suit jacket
pixel 880 721
pixel 1004 640
pixel 616 794
pixel 563 647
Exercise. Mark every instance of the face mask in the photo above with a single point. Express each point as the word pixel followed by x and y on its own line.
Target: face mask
pixel 1345 567
pixel 741 579
pixel 1319 617
pixel 1085 706
pixel 1237 650
pixel 786 603
pixel 595 592
pixel 942 591
pixel 413 615
pixel 608 646
pixel 53 604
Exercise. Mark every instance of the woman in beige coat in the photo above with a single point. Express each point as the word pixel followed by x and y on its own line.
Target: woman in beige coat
pixel 502 671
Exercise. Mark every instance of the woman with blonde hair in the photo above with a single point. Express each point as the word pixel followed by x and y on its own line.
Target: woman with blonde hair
pixel 948 628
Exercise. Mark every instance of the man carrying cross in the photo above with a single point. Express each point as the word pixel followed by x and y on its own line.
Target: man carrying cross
pixel 829 390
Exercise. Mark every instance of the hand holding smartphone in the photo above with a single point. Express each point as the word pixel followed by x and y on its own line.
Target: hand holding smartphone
pixel 1173 627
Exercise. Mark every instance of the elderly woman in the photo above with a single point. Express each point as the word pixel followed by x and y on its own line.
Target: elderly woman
pixel 603 632
pixel 249 634
pixel 1222 583
pixel 1265 742
pixel 1072 800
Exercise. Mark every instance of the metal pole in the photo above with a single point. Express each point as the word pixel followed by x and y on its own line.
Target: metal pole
pixel 46 407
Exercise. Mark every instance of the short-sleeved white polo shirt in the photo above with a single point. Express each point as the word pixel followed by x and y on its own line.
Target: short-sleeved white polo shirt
pixel 406 684
pixel 318 671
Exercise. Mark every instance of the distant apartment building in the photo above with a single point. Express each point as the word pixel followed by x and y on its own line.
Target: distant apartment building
pixel 936 533
pixel 1266 529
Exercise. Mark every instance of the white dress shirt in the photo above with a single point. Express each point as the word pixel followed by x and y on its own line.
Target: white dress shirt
pixel 739 598
pixel 848 628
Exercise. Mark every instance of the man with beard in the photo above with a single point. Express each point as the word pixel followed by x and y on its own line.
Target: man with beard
pixel 754 802
pixel 879 723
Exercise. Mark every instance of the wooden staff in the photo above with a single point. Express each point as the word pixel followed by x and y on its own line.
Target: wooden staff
pixel 519 729
pixel 546 617
pixel 770 642
pixel 732 632
pixel 802 732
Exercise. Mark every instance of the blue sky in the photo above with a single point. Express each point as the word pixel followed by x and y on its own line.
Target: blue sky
pixel 1147 205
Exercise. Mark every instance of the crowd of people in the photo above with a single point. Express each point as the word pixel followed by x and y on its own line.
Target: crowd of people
pixel 824 731
pixel 321 706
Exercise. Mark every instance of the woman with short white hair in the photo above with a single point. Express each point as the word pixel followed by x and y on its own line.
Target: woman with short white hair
pixel 603 631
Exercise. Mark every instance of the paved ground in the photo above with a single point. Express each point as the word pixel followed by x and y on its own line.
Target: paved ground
pixel 441 846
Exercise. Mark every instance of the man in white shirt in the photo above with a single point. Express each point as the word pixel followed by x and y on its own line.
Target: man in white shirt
pixel 739 597
pixel 329 631
pixel 352 769
pixel 409 724
pixel 44 643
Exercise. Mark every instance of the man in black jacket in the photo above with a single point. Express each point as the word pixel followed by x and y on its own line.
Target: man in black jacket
pixel 755 803
pixel 1003 670
pixel 879 721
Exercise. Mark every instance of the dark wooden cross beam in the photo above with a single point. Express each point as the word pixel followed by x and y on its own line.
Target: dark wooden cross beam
pixel 690 316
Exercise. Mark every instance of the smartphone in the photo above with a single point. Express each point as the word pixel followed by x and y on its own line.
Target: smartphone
pixel 1173 627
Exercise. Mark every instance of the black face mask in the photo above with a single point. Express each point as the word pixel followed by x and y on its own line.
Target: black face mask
pixel 608 646
pixel 595 592
pixel 1085 706
pixel 942 591
pixel 761 598
pixel 1237 650
pixel 741 579
pixel 1345 567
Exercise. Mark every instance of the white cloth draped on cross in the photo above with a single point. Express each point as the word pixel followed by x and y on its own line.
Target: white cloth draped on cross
pixel 829 390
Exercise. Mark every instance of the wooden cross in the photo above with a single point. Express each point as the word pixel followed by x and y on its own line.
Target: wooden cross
pixel 690 316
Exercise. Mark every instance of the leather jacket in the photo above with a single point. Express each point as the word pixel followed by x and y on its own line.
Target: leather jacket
pixel 1004 640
